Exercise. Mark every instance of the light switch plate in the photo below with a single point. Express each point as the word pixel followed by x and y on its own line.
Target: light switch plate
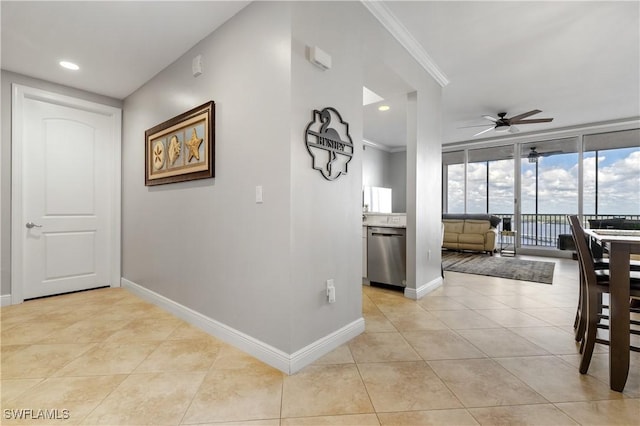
pixel 259 194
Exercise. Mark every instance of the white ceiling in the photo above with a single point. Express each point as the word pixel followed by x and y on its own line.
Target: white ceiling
pixel 119 45
pixel 578 62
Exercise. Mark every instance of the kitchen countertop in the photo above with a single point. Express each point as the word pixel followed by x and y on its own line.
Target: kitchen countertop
pixel 389 220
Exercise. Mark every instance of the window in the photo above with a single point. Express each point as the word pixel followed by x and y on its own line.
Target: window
pixel 549 182
pixel 490 180
pixel 453 179
pixel 549 185
pixel 477 187
pixel 611 164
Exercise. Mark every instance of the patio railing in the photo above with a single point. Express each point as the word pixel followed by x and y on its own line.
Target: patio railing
pixel 542 230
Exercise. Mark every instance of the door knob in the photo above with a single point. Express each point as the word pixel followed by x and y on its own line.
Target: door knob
pixel 32 225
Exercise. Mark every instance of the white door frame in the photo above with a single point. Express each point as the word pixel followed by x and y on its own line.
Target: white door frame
pixel 19 94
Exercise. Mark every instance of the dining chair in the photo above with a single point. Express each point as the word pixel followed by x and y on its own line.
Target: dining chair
pixel 593 284
pixel 599 263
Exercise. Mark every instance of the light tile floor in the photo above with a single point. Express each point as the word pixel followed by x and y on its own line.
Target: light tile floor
pixel 479 350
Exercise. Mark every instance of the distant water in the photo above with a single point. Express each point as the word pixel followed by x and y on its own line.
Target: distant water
pixel 542 234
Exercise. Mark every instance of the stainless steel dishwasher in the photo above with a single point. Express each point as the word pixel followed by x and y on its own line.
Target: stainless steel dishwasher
pixel 387 255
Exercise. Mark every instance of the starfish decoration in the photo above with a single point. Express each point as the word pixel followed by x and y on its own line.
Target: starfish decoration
pixel 194 146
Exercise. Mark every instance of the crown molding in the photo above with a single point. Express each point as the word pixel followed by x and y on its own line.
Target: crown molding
pixel 383 147
pixel 375 145
pixel 398 149
pixel 388 20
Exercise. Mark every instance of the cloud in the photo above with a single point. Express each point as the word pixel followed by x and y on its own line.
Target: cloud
pixel 618 185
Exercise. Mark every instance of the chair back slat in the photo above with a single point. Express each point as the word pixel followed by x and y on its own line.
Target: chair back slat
pixel 584 254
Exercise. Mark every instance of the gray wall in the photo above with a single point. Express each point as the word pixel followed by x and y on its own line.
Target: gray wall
pixel 259 268
pixel 424 187
pixel 376 167
pixel 347 26
pixel 388 170
pixel 8 78
pixel 326 232
pixel 206 244
pixel 398 180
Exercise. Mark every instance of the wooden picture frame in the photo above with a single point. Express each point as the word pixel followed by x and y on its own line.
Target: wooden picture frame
pixel 182 148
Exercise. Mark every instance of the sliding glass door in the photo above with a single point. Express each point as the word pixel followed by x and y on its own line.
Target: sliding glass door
pixel 548 190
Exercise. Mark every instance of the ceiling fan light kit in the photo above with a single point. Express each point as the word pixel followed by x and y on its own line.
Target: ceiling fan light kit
pixel 533 155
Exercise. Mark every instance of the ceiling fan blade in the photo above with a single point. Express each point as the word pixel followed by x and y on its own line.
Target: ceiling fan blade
pixel 484 131
pixel 546 154
pixel 490 118
pixel 524 115
pixel 535 153
pixel 535 120
pixel 477 125
pixel 513 129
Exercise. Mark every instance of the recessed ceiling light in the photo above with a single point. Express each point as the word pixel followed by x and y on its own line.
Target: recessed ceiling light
pixel 384 108
pixel 69 65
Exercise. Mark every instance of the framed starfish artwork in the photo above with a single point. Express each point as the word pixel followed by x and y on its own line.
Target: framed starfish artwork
pixel 182 148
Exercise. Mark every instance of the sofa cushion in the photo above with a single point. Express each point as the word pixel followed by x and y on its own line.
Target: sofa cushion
pixel 453 226
pixel 450 237
pixel 471 239
pixel 495 220
pixel 476 227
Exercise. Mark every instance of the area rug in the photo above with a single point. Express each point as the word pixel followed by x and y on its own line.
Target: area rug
pixel 502 267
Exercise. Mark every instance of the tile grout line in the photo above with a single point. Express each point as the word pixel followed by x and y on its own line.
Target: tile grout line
pixel 211 368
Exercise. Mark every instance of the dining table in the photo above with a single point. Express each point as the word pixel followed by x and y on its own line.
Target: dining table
pixel 620 243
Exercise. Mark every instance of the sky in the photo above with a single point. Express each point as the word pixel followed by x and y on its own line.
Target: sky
pixel 618 184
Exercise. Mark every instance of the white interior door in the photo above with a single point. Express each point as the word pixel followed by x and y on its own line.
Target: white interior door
pixel 65 162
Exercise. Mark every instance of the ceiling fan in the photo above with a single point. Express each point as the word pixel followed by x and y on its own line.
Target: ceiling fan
pixel 505 124
pixel 534 155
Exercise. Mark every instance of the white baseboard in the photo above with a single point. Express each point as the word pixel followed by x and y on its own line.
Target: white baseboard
pixel 423 290
pixel 287 363
pixel 5 300
pixel 310 353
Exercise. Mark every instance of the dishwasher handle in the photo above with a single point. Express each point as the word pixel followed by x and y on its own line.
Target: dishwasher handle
pixel 382 231
pixel 379 234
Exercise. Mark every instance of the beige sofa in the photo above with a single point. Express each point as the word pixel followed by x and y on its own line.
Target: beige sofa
pixel 470 232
